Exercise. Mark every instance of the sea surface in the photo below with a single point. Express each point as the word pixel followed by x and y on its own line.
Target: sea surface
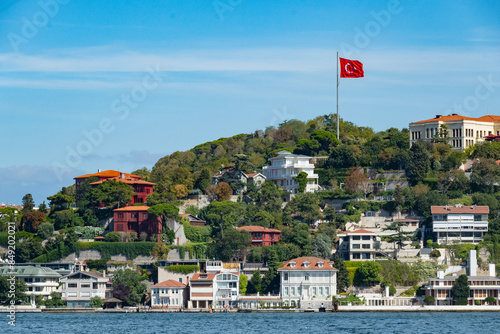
pixel 205 323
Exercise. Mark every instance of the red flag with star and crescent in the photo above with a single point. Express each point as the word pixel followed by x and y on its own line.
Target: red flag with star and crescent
pixel 351 68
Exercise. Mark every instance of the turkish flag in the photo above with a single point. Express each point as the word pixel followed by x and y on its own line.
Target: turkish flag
pixel 351 68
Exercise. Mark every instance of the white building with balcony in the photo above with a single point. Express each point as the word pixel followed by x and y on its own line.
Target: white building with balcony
pixel 39 280
pixel 460 223
pixel 79 287
pixel 285 166
pixel 308 283
pixel 358 245
pixel 214 290
pixel 168 294
pixel 226 290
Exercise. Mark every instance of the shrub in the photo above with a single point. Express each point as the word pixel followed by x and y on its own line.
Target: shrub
pixel 45 230
pixel 96 302
pixel 131 250
pixel 392 290
pixel 185 269
pixel 99 265
pixel 429 300
pixel 490 300
pixel 416 245
pixel 435 253
pixel 112 237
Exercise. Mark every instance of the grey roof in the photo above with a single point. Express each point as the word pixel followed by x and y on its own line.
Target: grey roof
pixel 289 154
pixel 453 278
pixel 29 271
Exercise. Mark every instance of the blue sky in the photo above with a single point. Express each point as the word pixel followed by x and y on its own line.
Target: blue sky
pixel 87 85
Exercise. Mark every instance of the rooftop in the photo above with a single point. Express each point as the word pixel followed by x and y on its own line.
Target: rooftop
pixel 169 284
pixel 108 174
pixel 257 229
pixel 314 263
pixel 132 208
pixel 29 271
pixel 360 231
pixel 456 117
pixel 463 209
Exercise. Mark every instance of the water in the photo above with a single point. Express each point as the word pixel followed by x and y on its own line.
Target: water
pixel 422 323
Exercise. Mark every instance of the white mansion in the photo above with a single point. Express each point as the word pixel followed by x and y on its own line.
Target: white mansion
pixel 463 131
pixel 285 166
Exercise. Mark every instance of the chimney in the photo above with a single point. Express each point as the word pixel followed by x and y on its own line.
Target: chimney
pixel 104 273
pixel 493 270
pixel 440 274
pixel 438 116
pixel 472 263
pixel 98 170
pixel 122 176
pixel 187 280
pixel 387 292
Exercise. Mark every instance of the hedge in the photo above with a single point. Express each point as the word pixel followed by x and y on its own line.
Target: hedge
pixel 131 250
pixel 196 251
pixel 53 255
pixel 184 269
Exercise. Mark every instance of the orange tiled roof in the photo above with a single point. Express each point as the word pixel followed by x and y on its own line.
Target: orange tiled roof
pixel 357 231
pixel 169 284
pixel 133 208
pixel 109 173
pixel 201 294
pixel 257 229
pixel 313 264
pixel 196 277
pixel 455 117
pixel 444 210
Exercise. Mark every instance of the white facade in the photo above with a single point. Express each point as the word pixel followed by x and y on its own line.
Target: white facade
pixel 78 288
pixel 226 290
pixel 308 282
pixel 463 131
pixel 39 280
pixel 357 245
pixel 169 294
pixel 214 290
pixel 285 166
pixel 466 224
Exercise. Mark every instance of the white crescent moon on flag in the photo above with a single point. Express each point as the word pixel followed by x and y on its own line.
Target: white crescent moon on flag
pixel 345 67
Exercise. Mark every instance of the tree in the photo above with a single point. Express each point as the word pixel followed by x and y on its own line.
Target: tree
pixel 256 281
pixel 179 190
pixel 43 208
pixel 114 194
pixel 271 280
pixel 128 279
pixel 490 300
pixel 55 300
pixel 232 244
pixel 418 163
pixel 321 246
pixel 269 197
pixel 343 281
pixel 45 230
pixel 221 215
pixel 28 203
pixel 65 219
pixel 243 284
pixel 96 302
pixel 302 180
pixel 62 200
pixel 222 191
pixel 6 296
pixel 461 290
pixel 160 251
pixel 485 176
pixel 357 182
pixel 307 205
pixel 368 273
pixel 429 300
pixel 31 220
pixel 399 236
pixel 112 237
pixel 204 180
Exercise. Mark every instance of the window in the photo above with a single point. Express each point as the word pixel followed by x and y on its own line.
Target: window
pixel 95 286
pixel 72 285
pixel 180 280
pixel 120 215
pixel 144 215
pixel 314 291
pixel 292 264
pixel 355 246
pixel 356 237
pixel 327 291
pixel 285 276
pixel 85 285
pixel 134 215
pixel 320 291
pixel 286 291
pixel 292 291
pixel 366 256
pixel 366 237
pixel 306 277
pixel 366 246
pixel 356 256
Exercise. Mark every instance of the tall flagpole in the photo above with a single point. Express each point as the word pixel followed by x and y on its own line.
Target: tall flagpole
pixel 338 132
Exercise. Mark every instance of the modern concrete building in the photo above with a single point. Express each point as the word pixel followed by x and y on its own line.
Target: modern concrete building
pixel 285 166
pixel 358 245
pixel 79 287
pixel 308 282
pixel 461 131
pixel 39 280
pixel 460 223
pixel 481 287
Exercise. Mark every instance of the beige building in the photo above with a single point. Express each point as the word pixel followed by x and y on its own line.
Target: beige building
pixel 169 294
pixel 452 223
pixel 357 245
pixel 462 131
pixel 79 287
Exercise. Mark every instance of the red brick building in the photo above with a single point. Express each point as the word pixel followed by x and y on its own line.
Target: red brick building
pixel 141 188
pixel 136 219
pixel 262 236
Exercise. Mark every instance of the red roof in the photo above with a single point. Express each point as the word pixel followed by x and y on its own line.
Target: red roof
pixel 126 180
pixel 455 117
pixel 257 229
pixel 169 284
pixel 451 209
pixel 360 231
pixel 313 264
pixel 209 277
pixel 133 208
pixel 109 173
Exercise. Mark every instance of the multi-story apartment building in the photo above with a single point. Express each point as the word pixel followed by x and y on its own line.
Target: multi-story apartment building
pixel 308 282
pixel 79 287
pixel 461 131
pixel 357 245
pixel 459 223
pixel 285 166
pixel 262 236
pixel 39 280
pixel 214 290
